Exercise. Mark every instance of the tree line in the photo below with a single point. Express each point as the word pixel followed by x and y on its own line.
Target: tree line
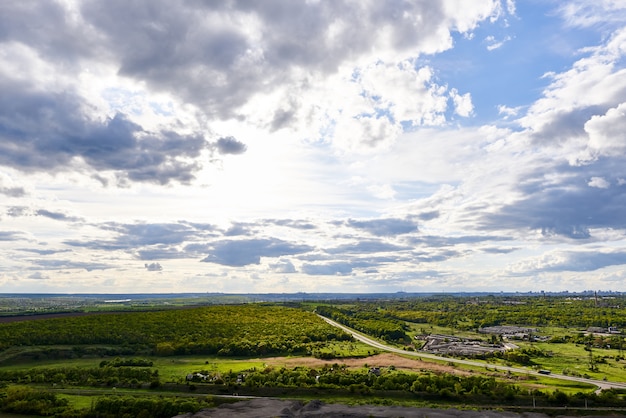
pixel 243 330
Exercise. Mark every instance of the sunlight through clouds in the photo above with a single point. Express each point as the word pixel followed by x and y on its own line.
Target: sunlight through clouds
pixel 362 146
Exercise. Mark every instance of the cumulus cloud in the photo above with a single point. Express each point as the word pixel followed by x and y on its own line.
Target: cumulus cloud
pixel 462 103
pixel 606 133
pixel 571 185
pixel 599 182
pixel 265 63
pixel 50 131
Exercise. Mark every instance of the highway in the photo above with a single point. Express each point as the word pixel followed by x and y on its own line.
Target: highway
pixel 601 384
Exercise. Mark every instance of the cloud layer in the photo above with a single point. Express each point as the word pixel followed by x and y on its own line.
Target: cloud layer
pixel 312 146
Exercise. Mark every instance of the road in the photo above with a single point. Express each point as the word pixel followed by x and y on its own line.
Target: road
pixel 601 384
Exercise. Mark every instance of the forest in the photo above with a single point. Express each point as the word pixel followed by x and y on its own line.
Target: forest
pixel 229 330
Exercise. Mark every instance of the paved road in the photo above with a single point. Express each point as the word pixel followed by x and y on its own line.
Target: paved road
pixel 601 384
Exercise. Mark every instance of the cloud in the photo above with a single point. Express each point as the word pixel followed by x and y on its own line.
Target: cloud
pixel 57 216
pixel 568 206
pixel 577 260
pixel 493 43
pixel 17 211
pixel 599 182
pixel 38 276
pixel 266 63
pixel 49 131
pixel 606 133
pixel 283 266
pixel 366 247
pixel 10 235
pixel 328 269
pixel 44 251
pixel 568 180
pixel 462 103
pixel 384 227
pixel 13 191
pixel 239 253
pixel 229 145
pixel 153 267
pixel 70 265
pixel 585 13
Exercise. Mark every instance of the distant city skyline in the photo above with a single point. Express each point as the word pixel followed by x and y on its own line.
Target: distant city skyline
pixel 314 146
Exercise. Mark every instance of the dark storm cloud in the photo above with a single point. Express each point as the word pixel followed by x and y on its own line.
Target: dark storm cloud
pixel 238 253
pixel 385 227
pixel 229 145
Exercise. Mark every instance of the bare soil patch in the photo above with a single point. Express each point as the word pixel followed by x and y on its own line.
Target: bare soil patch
pixel 379 360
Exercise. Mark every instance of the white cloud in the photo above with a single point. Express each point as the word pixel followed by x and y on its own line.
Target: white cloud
pixel 599 182
pixel 462 103
pixel 508 112
pixel 585 13
pixel 606 132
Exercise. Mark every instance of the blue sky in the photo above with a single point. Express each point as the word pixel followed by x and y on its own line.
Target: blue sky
pixel 315 146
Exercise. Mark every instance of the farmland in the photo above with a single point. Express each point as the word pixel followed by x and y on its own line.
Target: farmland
pixel 196 354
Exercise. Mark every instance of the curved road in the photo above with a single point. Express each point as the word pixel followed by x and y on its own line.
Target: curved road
pixel 601 384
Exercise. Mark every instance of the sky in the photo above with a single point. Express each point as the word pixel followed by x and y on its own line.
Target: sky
pixel 239 146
